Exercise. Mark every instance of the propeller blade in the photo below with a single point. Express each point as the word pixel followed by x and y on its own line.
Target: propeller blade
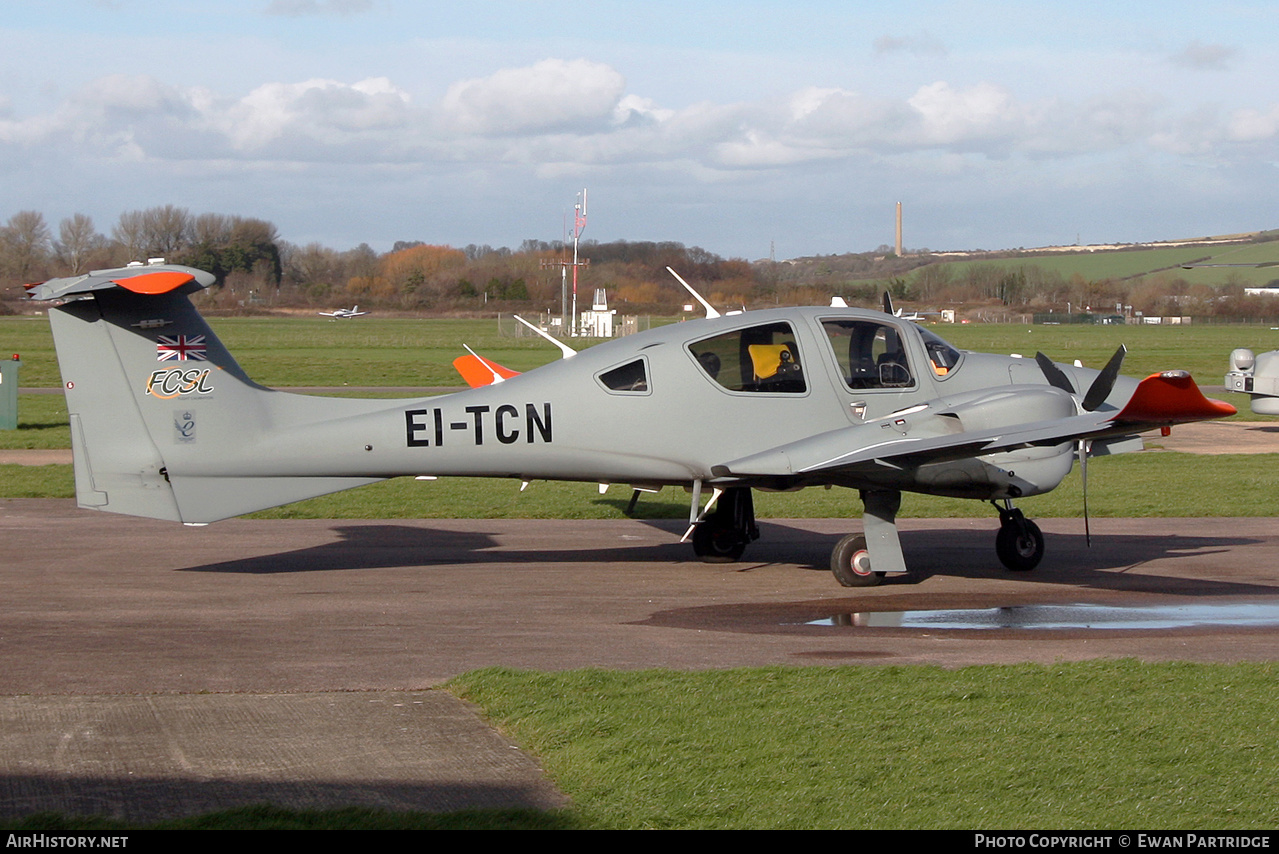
pixel 1056 376
pixel 1100 388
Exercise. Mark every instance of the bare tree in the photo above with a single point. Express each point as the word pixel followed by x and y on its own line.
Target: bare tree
pixel 77 241
pixel 130 233
pixel 211 229
pixel 167 229
pixel 27 241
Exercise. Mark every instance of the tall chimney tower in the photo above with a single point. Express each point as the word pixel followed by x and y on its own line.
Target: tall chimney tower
pixel 899 229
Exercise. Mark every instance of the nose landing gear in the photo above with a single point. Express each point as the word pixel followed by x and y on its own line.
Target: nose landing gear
pixel 1019 543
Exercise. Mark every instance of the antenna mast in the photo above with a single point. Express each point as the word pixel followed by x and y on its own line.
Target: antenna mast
pixel 568 323
pixel 579 225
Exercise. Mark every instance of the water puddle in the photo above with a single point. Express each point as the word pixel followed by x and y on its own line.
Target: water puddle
pixel 1079 616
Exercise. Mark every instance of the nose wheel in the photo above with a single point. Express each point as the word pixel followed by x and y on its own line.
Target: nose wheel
pixel 1019 543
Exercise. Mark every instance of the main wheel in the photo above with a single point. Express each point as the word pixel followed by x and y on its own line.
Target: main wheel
pixel 1020 546
pixel 850 562
pixel 717 544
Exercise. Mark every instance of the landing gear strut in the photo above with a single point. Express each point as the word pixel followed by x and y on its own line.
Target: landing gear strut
pixel 851 561
pixel 723 535
pixel 1019 543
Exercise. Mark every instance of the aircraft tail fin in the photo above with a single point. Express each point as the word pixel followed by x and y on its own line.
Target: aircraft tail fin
pixel 161 414
pixel 479 371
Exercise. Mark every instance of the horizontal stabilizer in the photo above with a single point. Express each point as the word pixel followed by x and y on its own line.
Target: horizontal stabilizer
pixel 150 280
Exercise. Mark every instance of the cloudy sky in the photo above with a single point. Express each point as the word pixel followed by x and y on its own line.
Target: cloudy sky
pixel 736 126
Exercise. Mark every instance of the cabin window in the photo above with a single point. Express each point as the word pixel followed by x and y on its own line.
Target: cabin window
pixel 633 376
pixel 870 354
pixel 756 359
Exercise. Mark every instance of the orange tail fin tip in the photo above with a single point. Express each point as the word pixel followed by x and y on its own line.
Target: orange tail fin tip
pixel 478 371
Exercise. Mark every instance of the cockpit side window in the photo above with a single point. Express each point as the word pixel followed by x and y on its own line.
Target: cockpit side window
pixel 756 359
pixel 631 377
pixel 870 354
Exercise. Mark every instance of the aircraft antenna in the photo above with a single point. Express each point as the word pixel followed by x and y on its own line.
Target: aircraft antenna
pixel 564 348
pixel 710 310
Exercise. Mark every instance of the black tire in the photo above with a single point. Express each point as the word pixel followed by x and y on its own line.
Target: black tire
pixel 716 544
pixel 1020 546
pixel 850 563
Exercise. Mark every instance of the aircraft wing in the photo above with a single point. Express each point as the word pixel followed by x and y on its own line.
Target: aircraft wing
pixel 1159 400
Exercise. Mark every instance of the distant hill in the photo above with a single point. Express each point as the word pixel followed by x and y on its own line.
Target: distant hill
pixel 1094 262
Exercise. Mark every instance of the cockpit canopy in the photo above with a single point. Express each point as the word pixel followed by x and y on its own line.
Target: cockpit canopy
pixel 870 354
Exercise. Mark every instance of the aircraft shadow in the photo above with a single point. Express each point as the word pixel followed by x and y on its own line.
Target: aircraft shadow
pixel 378 546
pixel 957 553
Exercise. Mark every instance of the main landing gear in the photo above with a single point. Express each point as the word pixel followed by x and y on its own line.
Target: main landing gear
pixel 1019 543
pixel 723 535
pixel 862 560
pixel 850 563
pixel 858 560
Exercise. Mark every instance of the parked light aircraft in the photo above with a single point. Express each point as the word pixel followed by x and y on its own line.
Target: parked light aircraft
pixel 165 424
pixel 340 313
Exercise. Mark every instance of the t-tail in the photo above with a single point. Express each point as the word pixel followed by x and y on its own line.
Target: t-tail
pixel 164 422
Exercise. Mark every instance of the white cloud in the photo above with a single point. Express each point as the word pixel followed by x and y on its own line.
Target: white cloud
pixel 1254 125
pixel 321 110
pixel 950 116
pixel 562 115
pixel 550 95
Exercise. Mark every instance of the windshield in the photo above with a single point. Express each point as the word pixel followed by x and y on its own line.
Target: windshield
pixel 941 353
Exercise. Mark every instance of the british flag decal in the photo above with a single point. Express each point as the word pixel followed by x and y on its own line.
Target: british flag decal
pixel 181 348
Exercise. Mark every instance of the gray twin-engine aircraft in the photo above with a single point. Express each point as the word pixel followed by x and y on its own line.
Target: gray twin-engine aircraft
pixel 165 424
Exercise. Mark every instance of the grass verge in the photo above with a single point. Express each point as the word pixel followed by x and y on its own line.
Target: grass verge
pixel 1086 745
pixel 1102 744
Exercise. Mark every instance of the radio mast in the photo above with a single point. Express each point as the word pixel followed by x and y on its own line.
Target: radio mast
pixel 579 225
pixel 569 322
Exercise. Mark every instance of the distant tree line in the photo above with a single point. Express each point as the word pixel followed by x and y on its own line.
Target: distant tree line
pixel 255 267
